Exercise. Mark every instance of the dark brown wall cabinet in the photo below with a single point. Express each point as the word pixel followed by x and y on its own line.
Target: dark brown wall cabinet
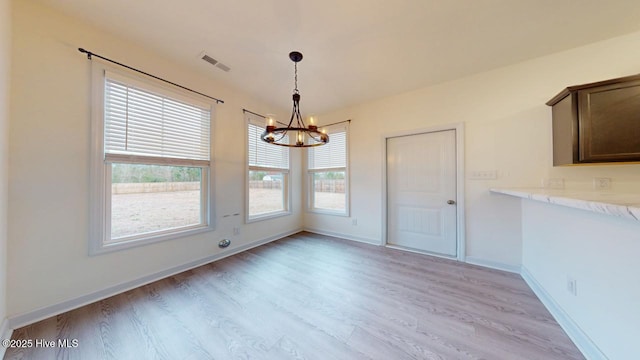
pixel 597 122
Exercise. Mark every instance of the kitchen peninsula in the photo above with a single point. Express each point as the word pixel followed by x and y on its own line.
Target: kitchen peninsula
pixel 580 256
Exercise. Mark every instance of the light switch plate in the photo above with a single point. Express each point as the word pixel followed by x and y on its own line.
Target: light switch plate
pixel 483 175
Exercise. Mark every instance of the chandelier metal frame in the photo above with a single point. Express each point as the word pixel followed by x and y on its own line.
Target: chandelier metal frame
pixel 305 136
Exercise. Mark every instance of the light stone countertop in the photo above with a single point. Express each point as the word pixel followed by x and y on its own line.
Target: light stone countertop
pixel 625 205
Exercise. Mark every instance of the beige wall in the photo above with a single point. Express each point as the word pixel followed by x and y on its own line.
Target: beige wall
pixel 49 165
pixel 5 58
pixel 507 128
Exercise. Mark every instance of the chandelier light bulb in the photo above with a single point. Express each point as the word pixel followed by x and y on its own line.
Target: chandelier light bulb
pixel 300 140
pixel 312 123
pixel 270 138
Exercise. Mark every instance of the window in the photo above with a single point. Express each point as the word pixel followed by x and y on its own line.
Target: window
pixel 328 176
pixel 151 176
pixel 268 192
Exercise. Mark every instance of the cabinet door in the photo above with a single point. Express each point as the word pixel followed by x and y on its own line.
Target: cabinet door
pixel 610 123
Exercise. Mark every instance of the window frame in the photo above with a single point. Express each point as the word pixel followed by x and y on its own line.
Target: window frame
pixel 100 169
pixel 258 121
pixel 310 174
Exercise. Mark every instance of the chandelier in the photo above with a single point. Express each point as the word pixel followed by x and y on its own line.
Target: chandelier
pixel 296 134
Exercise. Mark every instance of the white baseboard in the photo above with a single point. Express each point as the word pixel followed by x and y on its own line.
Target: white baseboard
pixel 402 248
pixel 344 236
pixel 5 332
pixel 588 348
pixel 492 264
pixel 31 317
pixel 469 259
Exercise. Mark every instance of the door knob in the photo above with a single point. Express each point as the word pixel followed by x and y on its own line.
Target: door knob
pixel 451 202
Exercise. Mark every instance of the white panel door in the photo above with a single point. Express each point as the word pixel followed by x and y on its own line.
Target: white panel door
pixel 421 192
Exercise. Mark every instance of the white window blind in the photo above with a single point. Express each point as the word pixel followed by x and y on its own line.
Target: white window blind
pixel 331 155
pixel 140 122
pixel 262 154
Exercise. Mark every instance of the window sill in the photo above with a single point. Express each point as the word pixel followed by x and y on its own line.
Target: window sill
pixel 267 216
pixel 104 248
pixel 328 212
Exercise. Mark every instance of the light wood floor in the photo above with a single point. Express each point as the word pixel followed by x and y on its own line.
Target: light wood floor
pixel 314 297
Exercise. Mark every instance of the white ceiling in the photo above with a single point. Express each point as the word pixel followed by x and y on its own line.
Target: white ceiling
pixel 354 50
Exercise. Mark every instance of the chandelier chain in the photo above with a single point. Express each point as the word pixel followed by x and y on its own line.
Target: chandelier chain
pixel 295 64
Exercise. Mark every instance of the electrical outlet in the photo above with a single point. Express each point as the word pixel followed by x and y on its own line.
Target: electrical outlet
pixel 236 231
pixel 601 183
pixel 572 286
pixel 354 221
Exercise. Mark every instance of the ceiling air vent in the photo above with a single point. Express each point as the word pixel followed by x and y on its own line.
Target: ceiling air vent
pixel 223 67
pixel 209 59
pixel 214 62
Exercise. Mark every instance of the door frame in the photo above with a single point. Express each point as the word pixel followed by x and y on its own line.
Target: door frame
pixel 460 221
